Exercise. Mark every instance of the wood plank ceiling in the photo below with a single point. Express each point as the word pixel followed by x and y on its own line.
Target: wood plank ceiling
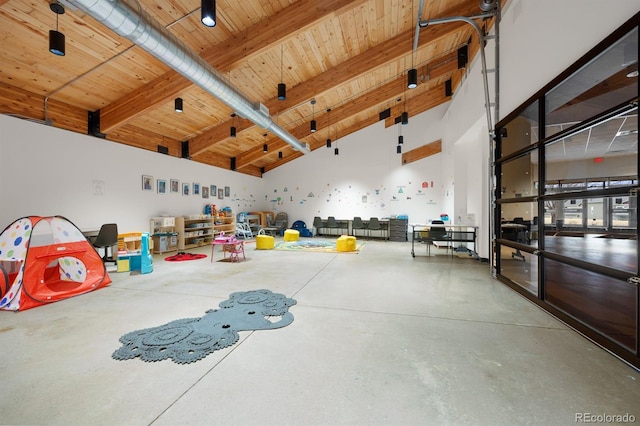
pixel 350 56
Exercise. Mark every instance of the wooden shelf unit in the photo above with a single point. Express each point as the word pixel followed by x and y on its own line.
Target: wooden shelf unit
pixel 194 232
pixel 226 224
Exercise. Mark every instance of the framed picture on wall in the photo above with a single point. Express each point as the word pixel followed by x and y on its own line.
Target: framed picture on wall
pixel 185 188
pixel 147 183
pixel 221 194
pixel 213 190
pixel 162 186
pixel 175 186
pixel 227 191
pixel 205 192
pixel 196 188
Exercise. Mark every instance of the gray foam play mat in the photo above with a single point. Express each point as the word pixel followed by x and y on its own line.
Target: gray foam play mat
pixel 191 339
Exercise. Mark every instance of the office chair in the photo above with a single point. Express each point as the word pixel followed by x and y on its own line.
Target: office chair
pixel 437 233
pixel 107 238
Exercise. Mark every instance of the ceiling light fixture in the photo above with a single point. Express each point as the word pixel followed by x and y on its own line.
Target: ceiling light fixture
pixel 233 131
pixel 56 38
pixel 412 77
pixel 335 151
pixel 280 154
pixel 313 115
pixel 265 147
pixel 208 9
pixel 177 104
pixel 282 88
pixel 399 149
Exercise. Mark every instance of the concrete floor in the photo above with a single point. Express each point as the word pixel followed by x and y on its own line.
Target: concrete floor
pixel 379 338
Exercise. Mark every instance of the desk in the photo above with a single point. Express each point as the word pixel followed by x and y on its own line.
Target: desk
pixel 429 233
pixel 91 234
pixel 517 232
pixel 232 246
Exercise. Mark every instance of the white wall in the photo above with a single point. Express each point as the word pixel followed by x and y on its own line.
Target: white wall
pixel 47 171
pixel 367 178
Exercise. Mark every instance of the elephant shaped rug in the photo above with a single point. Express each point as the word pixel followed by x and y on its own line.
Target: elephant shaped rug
pixel 191 339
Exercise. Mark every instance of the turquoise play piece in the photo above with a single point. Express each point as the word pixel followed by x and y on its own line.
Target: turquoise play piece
pixel 191 339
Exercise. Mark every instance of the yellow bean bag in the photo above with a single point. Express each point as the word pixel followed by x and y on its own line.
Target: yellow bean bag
pixel 265 242
pixel 291 235
pixel 346 243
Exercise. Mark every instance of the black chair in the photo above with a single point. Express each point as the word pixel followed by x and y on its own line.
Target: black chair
pixel 107 238
pixel 356 224
pixel 374 225
pixel 332 223
pixel 318 223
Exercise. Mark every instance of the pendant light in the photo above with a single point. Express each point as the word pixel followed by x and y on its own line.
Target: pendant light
pixel 280 154
pixel 412 77
pixel 56 38
pixel 177 105
pixel 336 151
pixel 233 130
pixel 329 126
pixel 313 116
pixel 282 88
pixel 265 147
pixel 208 10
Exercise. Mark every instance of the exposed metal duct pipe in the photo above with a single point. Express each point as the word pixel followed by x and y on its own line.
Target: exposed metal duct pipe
pixel 139 27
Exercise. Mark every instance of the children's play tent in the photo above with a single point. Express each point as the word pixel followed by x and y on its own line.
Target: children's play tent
pixel 46 259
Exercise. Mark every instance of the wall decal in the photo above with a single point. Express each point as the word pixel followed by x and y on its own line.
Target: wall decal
pixel 311 195
pixel 98 187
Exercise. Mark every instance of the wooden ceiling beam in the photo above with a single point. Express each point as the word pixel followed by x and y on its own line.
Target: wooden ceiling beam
pixel 367 61
pixel 224 57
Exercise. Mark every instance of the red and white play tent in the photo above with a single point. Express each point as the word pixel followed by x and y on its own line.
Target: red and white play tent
pixel 46 259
